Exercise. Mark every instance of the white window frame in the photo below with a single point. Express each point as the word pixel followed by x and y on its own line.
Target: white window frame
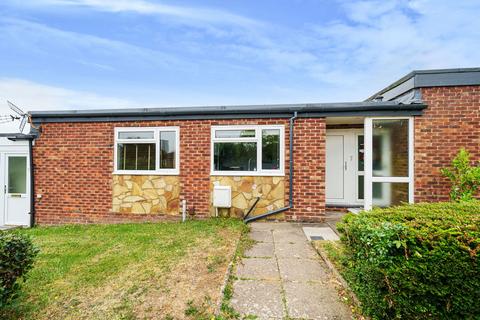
pixel 368 173
pixel 156 140
pixel 258 139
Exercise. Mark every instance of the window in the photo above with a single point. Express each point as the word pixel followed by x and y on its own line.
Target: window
pixel 17 174
pixel 147 150
pixel 248 150
pixel 388 161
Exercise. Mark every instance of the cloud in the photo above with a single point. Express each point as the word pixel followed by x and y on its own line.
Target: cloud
pixel 31 96
pixel 81 48
pixel 199 14
pixel 380 41
pixel 369 45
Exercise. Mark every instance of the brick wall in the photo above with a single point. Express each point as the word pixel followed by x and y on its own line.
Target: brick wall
pixel 74 161
pixel 451 121
pixel 73 165
pixel 309 170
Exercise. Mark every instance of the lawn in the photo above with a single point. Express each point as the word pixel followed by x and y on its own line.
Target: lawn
pixel 127 271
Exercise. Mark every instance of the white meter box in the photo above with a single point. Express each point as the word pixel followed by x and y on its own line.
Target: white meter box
pixel 222 196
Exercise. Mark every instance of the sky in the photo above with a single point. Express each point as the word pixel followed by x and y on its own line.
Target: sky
pixel 91 54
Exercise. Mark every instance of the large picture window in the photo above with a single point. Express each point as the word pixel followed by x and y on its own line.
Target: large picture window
pixel 248 150
pixel 147 150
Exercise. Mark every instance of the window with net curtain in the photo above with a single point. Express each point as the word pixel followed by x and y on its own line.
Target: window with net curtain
pixel 238 150
pixel 138 150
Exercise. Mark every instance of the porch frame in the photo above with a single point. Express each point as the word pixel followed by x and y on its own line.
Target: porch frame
pixel 369 178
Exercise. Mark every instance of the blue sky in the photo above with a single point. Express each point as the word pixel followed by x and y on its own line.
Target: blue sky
pixel 64 54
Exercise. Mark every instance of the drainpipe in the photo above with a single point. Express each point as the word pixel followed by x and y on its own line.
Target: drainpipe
pixel 32 183
pixel 290 177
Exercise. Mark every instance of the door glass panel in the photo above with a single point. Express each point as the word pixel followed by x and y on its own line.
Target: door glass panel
pixel 390 148
pixel 360 153
pixel 360 187
pixel 17 174
pixel 389 193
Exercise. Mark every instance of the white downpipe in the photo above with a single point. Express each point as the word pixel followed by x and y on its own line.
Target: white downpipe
pixel 184 210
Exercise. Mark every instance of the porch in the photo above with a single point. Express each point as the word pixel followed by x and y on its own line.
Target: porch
pixel 369 162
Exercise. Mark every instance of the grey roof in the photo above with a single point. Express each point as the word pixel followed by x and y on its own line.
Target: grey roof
pixel 231 112
pixel 429 78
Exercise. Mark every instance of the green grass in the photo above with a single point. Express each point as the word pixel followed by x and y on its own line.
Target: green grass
pixel 124 271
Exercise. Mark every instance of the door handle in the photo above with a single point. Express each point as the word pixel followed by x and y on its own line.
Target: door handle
pixel 345 165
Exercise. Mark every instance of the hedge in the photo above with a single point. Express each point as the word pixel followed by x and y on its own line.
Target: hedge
pixel 415 261
pixel 17 254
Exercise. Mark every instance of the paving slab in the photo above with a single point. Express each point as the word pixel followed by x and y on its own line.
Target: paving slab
pixel 260 298
pixel 294 250
pixel 302 270
pixel 258 268
pixel 261 235
pixel 308 300
pixel 290 235
pixel 261 250
pixel 325 233
pixel 282 277
pixel 269 226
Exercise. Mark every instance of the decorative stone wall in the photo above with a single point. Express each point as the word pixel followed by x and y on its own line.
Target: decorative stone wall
pixel 245 191
pixel 146 194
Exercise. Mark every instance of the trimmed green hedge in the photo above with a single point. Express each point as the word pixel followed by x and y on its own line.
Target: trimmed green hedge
pixel 415 261
pixel 17 254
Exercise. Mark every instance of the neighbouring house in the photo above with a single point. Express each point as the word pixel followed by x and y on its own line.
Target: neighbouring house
pixel 291 161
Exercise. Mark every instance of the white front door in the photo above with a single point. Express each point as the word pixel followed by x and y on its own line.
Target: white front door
pixel 342 167
pixel 335 182
pixel 16 190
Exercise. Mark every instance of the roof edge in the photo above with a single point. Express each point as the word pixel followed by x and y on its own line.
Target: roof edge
pixel 17 136
pixel 416 84
pixel 224 112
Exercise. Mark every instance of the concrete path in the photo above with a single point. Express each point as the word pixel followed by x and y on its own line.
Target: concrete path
pixel 282 277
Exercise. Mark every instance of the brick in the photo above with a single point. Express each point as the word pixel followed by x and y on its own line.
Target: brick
pixel 73 165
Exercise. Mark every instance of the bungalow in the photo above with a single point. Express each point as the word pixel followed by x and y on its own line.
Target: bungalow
pixel 293 161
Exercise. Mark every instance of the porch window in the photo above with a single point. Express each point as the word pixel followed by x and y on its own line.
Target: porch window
pixel 389 162
pixel 147 150
pixel 247 150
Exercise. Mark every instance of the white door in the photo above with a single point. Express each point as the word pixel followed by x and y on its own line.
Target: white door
pixel 334 180
pixel 342 171
pixel 16 189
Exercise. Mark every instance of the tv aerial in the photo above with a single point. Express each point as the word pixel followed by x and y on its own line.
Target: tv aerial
pixel 19 114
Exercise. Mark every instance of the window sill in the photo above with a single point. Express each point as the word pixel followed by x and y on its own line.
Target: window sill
pixel 147 173
pixel 247 174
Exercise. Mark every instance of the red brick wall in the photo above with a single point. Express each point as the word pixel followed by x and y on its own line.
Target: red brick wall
pixel 451 121
pixel 74 162
pixel 309 169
